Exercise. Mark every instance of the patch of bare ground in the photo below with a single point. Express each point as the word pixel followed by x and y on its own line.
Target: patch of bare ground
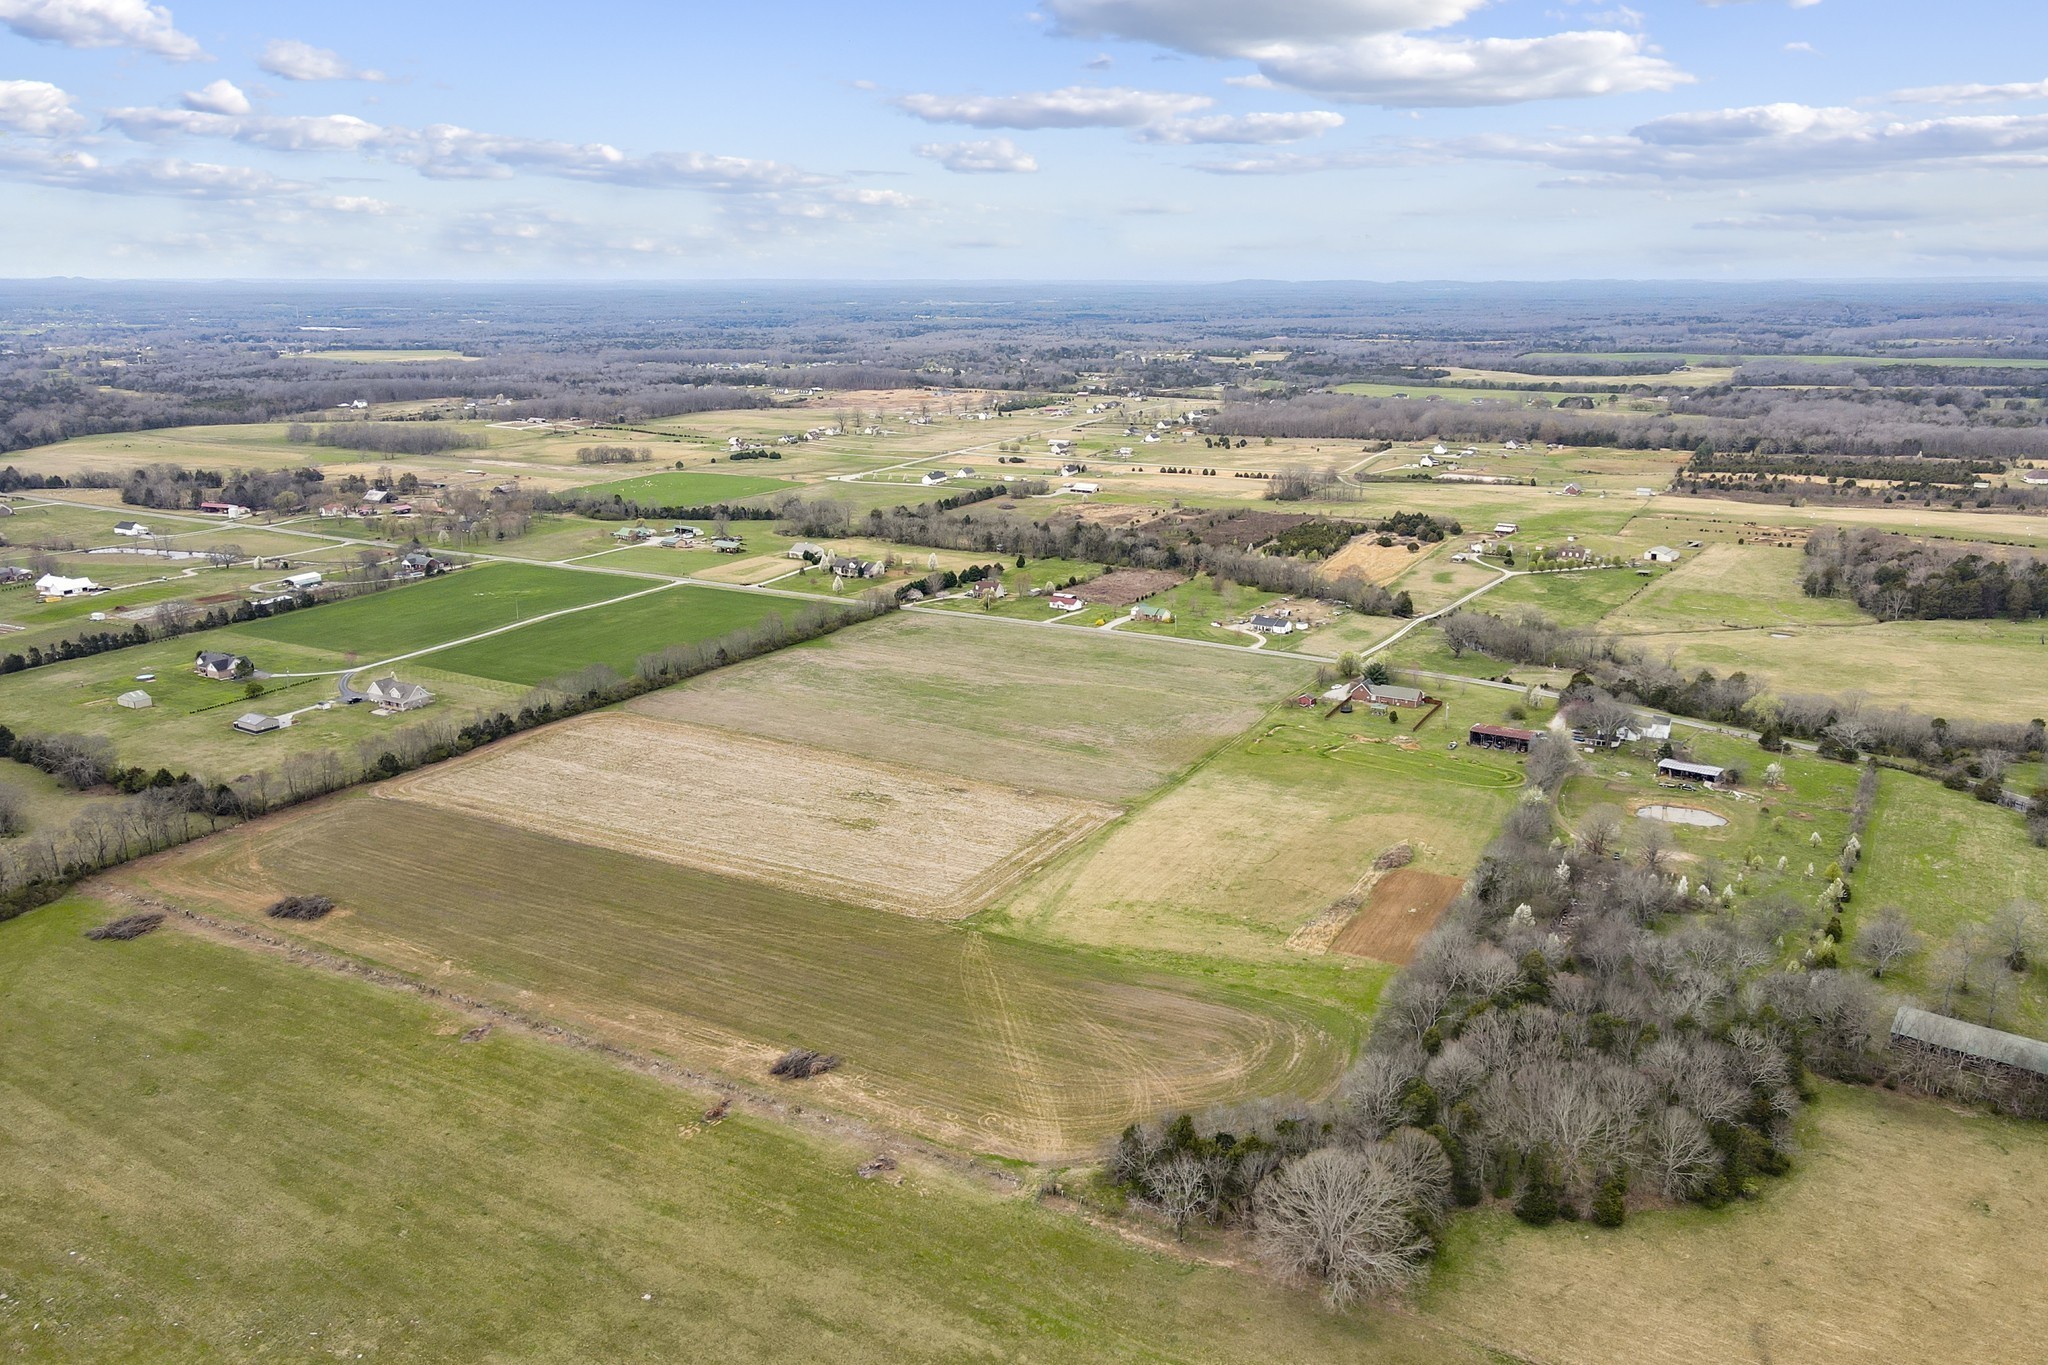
pixel 1126 587
pixel 1370 560
pixel 1404 906
pixel 891 837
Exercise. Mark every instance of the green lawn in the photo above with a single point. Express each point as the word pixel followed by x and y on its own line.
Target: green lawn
pixel 1195 604
pixel 417 615
pixel 216 1155
pixel 615 636
pixel 692 488
pixel 1570 599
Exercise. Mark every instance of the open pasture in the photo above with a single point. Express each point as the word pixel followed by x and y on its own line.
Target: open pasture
pixel 281 1162
pixel 961 1036
pixel 691 488
pixel 1907 1231
pixel 418 615
pixel 1730 585
pixel 1272 832
pixel 615 635
pixel 881 835
pixel 1081 713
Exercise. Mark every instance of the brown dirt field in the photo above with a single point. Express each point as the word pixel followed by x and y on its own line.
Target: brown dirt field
pixel 1405 905
pixel 1124 587
pixel 890 837
pixel 1376 563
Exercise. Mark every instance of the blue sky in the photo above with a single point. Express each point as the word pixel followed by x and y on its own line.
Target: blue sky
pixel 1080 139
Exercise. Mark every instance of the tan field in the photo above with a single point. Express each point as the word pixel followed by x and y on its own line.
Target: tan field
pixel 880 835
pixel 1404 906
pixel 1365 556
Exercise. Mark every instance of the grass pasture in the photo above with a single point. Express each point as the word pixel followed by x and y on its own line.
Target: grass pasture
pixel 1730 585
pixel 614 635
pixel 972 1039
pixel 1272 832
pixel 275 1162
pixel 1906 1232
pixel 691 488
pixel 1082 713
pixel 419 615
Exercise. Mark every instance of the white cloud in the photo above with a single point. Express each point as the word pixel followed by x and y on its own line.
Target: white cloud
pixel 447 152
pixel 1775 140
pixel 1973 94
pixel 293 60
pixel 217 97
pixel 1791 4
pixel 172 177
pixel 1244 128
pixel 100 23
pixel 37 108
pixel 1368 51
pixel 1076 106
pixel 1804 49
pixel 993 156
pixel 1296 163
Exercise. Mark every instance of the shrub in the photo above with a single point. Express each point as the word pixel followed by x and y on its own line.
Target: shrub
pixel 127 927
pixel 1538 1205
pixel 301 908
pixel 1610 1205
pixel 800 1064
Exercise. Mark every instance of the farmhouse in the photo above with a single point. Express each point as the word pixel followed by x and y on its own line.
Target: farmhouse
pixel 1066 601
pixel 990 588
pixel 1970 1047
pixel 1272 625
pixel 130 528
pixel 137 700
pixel 728 545
pixel 932 476
pixel 1145 611
pixel 52 588
pixel 1689 772
pixel 1500 737
pixel 965 471
pixel 256 723
pixel 1575 553
pixel 1068 471
pixel 1661 554
pixel 392 695
pixel 804 550
pixel 209 664
pixel 856 568
pixel 1386 694
pixel 633 533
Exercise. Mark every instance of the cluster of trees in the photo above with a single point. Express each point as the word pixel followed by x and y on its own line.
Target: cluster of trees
pixel 1895 577
pixel 172 487
pixel 1580 1036
pixel 613 455
pixel 388 438
pixel 1063 537
pixel 1909 470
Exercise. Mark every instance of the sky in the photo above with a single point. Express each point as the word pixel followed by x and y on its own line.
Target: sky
pixel 1153 140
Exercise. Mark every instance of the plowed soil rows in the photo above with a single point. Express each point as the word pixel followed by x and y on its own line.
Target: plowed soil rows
pixel 1405 905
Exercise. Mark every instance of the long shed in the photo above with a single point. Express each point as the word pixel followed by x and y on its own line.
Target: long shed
pixel 1971 1046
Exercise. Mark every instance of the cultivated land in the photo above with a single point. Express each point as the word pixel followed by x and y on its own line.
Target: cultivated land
pixel 1079 713
pixel 274 1161
pixel 785 814
pixel 973 1039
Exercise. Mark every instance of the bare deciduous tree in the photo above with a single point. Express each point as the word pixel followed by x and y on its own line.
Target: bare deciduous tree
pixel 1887 940
pixel 1677 1153
pixel 1181 1188
pixel 1329 1214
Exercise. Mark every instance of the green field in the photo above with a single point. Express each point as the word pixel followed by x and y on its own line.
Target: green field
pixel 694 488
pixel 969 1038
pixel 1195 605
pixel 1731 586
pixel 1274 828
pixel 217 1155
pixel 1083 713
pixel 615 636
pixel 1950 861
pixel 418 615
pixel 1570 599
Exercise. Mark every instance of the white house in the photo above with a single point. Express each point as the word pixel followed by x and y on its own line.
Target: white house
pixel 304 582
pixel 50 587
pixel 803 549
pixel 932 476
pixel 1066 601
pixel 130 528
pixel 220 667
pixel 1440 450
pixel 392 695
pixel 1273 625
pixel 1427 462
pixel 1661 554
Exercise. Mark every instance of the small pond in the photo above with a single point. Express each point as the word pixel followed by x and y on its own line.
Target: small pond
pixel 1682 815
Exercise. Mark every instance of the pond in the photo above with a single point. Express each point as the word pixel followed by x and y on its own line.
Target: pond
pixel 1682 815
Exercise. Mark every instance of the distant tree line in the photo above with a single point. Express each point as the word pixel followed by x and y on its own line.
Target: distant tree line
pixel 167 622
pixel 387 438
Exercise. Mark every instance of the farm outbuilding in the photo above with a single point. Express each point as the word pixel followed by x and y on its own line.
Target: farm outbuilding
pixel 1676 771
pixel 256 723
pixel 1661 554
pixel 135 701
pixel 1500 737
pixel 1970 1047
pixel 53 587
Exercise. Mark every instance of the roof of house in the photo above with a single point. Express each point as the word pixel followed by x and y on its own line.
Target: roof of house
pixel 1271 622
pixel 255 722
pixel 391 689
pixel 1150 612
pixel 1972 1040
pixel 1705 770
pixel 215 659
pixel 1387 692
